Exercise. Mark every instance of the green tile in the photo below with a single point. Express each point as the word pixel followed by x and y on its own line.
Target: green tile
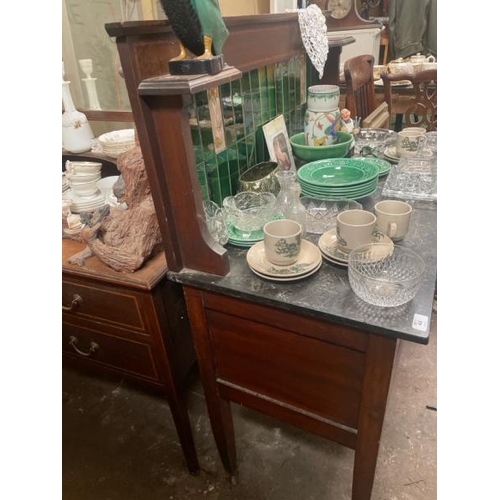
pixel 278 75
pixel 212 172
pixel 203 181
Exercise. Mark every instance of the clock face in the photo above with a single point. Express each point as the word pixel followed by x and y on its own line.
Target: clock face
pixel 339 8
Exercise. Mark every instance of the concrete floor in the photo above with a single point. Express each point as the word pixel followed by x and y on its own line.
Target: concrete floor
pixel 120 443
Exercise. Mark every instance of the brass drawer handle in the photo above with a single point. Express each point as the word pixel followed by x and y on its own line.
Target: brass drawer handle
pixel 77 300
pixel 93 347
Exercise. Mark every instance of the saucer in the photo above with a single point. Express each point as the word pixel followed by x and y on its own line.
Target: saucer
pixel 309 259
pixel 334 261
pixel 328 246
pixel 390 152
pixel 290 278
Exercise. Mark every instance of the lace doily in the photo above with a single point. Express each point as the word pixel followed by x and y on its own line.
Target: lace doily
pixel 313 31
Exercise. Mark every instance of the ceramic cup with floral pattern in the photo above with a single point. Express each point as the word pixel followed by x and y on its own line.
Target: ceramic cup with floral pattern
pixel 410 141
pixel 354 228
pixel 282 241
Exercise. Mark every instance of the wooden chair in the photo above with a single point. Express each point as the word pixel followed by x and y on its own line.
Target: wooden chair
pixel 421 110
pixel 360 92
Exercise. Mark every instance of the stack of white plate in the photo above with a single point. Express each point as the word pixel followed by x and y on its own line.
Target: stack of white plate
pixel 117 142
pixel 308 263
pixel 65 183
pixel 330 251
pixel 84 204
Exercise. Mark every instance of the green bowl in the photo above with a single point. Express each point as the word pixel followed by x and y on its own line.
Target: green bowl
pixel 313 153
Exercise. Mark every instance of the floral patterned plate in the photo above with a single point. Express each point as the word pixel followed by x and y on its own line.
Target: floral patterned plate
pixel 309 259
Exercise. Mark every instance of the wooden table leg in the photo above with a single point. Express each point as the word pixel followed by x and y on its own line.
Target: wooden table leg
pixel 219 410
pixel 379 362
pixel 183 426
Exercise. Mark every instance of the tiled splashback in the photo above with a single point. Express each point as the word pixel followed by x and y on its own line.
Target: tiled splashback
pixel 247 104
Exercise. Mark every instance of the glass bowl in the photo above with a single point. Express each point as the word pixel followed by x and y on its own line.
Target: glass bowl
pixel 385 275
pixel 215 222
pixel 373 141
pixel 312 153
pixel 321 215
pixel 249 211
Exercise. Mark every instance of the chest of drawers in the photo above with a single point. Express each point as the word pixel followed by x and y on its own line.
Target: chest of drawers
pixel 129 324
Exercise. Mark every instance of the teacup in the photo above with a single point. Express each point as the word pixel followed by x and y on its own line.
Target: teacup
pixel 282 241
pixel 409 141
pixel 354 228
pixel 393 218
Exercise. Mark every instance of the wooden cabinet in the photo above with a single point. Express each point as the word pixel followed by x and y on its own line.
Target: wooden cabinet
pixel 131 324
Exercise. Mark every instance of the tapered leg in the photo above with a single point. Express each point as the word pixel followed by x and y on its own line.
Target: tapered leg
pixel 183 426
pixel 379 362
pixel 219 410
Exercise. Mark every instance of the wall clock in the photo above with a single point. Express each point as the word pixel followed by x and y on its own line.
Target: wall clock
pixel 339 8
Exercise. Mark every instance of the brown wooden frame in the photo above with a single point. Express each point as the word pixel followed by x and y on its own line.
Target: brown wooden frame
pixel 159 103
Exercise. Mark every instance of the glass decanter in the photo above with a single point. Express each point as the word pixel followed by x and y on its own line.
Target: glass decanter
pixel 288 203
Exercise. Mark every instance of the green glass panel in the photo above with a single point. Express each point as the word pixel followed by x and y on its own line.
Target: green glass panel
pixel 202 179
pixel 262 153
pixel 279 87
pixel 212 171
pixel 237 101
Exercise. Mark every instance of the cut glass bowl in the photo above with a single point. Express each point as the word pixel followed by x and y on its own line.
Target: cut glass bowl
pixel 385 275
pixel 321 215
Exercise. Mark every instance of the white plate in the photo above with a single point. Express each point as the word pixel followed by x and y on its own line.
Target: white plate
pixel 328 245
pixel 309 259
pixel 291 278
pixel 391 153
pixel 106 184
pixel 117 137
pixel 334 261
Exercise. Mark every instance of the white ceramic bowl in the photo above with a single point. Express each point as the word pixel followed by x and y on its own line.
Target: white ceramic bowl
pixel 83 178
pixel 83 167
pixel 88 189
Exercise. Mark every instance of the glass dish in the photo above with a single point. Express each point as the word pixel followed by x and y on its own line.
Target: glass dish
pixel 321 215
pixel 215 222
pixel 371 142
pixel 385 275
pixel 413 178
pixel 249 211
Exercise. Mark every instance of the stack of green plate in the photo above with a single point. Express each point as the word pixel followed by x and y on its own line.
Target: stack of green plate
pixel 241 238
pixel 338 178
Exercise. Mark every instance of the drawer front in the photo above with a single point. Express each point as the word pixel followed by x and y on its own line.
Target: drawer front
pixel 307 373
pixel 119 307
pixel 96 347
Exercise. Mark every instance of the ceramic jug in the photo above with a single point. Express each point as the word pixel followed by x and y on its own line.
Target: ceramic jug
pixel 76 132
pixel 322 117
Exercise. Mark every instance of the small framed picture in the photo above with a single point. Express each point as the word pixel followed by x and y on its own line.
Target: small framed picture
pixel 278 144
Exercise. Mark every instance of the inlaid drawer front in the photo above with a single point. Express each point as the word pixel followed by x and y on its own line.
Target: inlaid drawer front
pixel 117 307
pixel 97 347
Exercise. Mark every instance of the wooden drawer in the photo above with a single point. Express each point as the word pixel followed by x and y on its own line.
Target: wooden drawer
pixel 125 355
pixel 116 306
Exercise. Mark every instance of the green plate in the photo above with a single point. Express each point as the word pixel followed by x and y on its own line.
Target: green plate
pixel 345 193
pixel 384 166
pixel 335 197
pixel 337 172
